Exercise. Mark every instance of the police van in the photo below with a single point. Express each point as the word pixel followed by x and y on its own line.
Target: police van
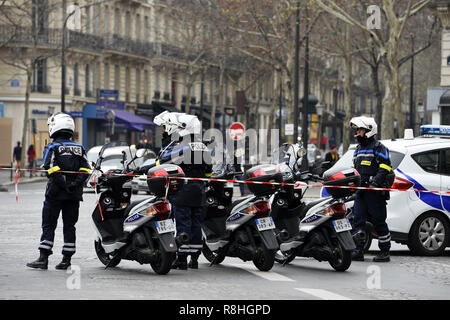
pixel 420 216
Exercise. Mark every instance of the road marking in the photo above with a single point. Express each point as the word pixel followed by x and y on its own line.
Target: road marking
pixel 268 275
pixel 322 294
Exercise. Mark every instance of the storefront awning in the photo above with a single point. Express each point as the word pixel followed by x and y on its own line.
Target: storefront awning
pixel 132 121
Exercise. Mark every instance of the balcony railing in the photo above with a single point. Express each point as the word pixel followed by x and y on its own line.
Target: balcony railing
pixel 41 88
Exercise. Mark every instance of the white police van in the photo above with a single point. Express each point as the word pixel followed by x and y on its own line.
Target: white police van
pixel 419 219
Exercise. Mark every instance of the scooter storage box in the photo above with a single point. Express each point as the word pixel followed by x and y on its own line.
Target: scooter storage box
pixel 339 177
pixel 263 173
pixel 158 179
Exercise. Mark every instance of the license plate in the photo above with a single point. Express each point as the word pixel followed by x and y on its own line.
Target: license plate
pixel 165 226
pixel 342 225
pixel 265 224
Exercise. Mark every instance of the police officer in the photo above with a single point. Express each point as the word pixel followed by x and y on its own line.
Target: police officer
pixel 64 190
pixel 371 160
pixel 182 146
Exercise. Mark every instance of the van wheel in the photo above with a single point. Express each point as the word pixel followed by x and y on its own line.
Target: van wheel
pixel 429 235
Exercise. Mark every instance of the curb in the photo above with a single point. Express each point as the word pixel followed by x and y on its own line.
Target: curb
pixel 7 184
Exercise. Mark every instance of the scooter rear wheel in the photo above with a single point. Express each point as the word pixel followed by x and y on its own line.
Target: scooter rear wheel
pixel 342 259
pixel 104 257
pixel 264 258
pixel 162 262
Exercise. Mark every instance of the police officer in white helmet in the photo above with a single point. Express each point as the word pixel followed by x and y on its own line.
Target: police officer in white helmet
pixel 371 160
pixel 64 190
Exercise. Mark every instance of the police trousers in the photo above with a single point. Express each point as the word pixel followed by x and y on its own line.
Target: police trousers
pixel 189 220
pixel 372 203
pixel 50 215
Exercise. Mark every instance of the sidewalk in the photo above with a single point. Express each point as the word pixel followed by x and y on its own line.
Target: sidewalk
pixel 5 178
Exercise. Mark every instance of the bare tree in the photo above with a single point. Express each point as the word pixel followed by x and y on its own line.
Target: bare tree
pixel 397 14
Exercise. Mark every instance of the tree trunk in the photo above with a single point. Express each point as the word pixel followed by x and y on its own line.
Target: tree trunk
pixel 387 123
pixel 348 90
pixel 26 111
pixel 378 96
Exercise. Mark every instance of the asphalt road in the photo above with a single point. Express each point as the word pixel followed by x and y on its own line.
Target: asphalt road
pixel 405 277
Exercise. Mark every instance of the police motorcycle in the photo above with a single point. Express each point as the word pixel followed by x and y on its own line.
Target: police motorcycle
pixel 317 229
pixel 243 228
pixel 141 230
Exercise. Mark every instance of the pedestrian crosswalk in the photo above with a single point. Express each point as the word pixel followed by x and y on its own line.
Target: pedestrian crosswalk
pixel 274 276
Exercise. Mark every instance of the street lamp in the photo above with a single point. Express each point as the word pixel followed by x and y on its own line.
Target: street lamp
pixel 63 60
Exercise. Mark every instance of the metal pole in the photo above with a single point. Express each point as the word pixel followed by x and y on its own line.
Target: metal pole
pixel 412 110
pixel 63 62
pixel 281 110
pixel 305 105
pixel 296 71
pixel 202 89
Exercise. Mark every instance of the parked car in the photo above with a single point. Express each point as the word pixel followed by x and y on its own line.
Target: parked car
pixel 140 183
pixel 421 220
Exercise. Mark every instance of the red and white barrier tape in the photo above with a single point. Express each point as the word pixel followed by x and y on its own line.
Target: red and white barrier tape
pixel 297 184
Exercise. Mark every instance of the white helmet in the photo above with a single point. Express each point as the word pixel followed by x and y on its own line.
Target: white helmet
pixel 60 122
pixel 181 123
pixel 366 123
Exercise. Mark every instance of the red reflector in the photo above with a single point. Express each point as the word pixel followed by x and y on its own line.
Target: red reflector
pixel 402 184
pixel 162 207
pixel 262 206
pixel 339 208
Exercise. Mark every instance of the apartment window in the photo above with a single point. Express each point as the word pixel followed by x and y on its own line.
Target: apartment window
pixel 146 29
pixel 88 19
pixel 156 28
pixel 157 80
pixel 76 88
pixel 138 27
pixel 138 85
pixel 40 77
pixel 127 84
pixel 106 20
pixel 106 77
pixel 127 24
pixel 116 21
pixel 40 16
pixel 146 86
pixel 95 78
pixel 116 77
pixel 87 82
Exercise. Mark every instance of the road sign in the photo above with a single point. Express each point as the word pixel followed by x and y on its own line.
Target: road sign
pixel 236 131
pixel 109 93
pixel 289 129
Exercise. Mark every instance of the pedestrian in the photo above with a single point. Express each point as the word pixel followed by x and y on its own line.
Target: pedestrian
pixel 31 159
pixel 371 160
pixel 323 142
pixel 64 190
pixel 331 157
pixel 17 156
pixel 194 158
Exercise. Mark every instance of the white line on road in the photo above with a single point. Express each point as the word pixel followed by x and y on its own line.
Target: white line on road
pixel 322 294
pixel 268 275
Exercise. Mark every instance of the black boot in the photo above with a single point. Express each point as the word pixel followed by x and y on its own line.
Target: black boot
pixel 180 263
pixel 40 263
pixel 64 264
pixel 193 263
pixel 383 256
pixel 358 255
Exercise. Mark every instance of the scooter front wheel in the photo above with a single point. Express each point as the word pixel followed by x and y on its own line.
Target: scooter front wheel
pixel 211 256
pixel 104 257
